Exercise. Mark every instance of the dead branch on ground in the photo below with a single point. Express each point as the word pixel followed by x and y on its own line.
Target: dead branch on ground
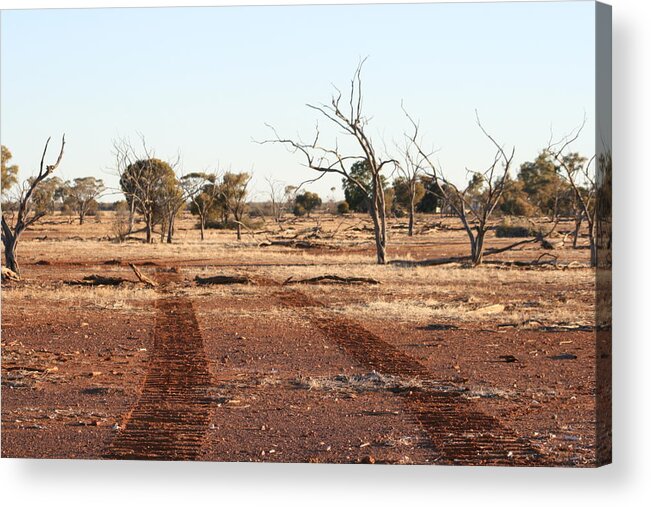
pixel 333 278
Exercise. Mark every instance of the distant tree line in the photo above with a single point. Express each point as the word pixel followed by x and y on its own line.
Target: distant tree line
pixel 557 183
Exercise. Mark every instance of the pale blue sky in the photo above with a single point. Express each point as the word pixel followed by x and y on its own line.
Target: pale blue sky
pixel 203 81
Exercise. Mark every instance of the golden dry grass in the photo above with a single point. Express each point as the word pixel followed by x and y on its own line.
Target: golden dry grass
pixel 416 294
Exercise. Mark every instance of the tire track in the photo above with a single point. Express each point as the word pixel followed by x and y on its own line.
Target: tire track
pixel 170 419
pixel 460 433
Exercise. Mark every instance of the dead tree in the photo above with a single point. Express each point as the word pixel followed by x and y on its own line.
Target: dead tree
pixel 277 190
pixel 348 116
pixel 474 203
pixel 26 215
pixel 576 170
pixel 411 171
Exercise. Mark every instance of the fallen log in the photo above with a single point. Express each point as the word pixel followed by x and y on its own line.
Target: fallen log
pixel 223 280
pixel 333 278
pixel 9 275
pixel 144 279
pixel 98 280
pixel 291 243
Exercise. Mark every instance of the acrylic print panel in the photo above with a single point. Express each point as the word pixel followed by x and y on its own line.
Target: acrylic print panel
pixel 414 268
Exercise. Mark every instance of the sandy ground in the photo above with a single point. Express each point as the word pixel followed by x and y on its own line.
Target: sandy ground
pixel 440 364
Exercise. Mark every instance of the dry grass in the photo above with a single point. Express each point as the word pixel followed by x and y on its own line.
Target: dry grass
pixel 125 298
pixel 358 383
pixel 413 294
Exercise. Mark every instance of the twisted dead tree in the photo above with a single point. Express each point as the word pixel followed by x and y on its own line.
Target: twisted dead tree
pixel 348 115
pixel 27 215
pixel 474 203
pixel 576 170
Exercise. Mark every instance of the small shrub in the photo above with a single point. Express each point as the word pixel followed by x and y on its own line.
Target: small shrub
pixel 219 224
pixel 343 208
pixel 120 224
pixel 399 213
pixel 514 228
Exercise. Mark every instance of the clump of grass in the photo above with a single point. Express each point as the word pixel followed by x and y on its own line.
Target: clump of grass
pixel 359 383
pixel 511 227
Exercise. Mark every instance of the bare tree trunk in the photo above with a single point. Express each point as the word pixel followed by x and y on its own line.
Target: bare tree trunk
pixel 239 231
pixel 81 218
pixel 380 239
pixel 163 229
pixel 202 225
pixel 478 247
pixel 593 244
pixel 410 232
pixel 378 215
pixel 132 215
pixel 170 228
pixel 10 243
pixel 578 220
pixel 148 227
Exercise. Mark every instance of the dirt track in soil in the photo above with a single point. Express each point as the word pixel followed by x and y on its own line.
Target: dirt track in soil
pixel 198 391
pixel 460 434
pixel 170 418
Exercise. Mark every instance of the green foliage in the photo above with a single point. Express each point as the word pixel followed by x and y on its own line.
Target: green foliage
pixel 149 183
pixel 343 208
pixel 545 187
pixel 356 198
pixel 432 196
pixel 306 202
pixel 515 201
pixel 218 199
pixel 401 188
pixel 47 194
pixel 233 188
pixel 9 172
pixel 299 210
pixel 81 195
pixel 475 185
pixel 389 200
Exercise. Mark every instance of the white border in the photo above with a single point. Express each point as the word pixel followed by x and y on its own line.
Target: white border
pixel 626 482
